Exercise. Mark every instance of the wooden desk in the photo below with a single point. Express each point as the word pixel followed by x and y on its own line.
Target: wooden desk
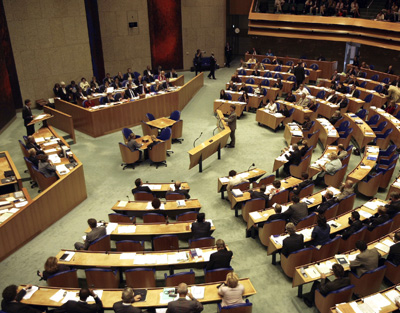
pixel 275 247
pixel 254 99
pixel 314 169
pixel 100 122
pixel 287 85
pixel 394 187
pixel 138 208
pixel 251 175
pixel 292 133
pixel 12 203
pixel 225 107
pixel 61 121
pixel 327 109
pixel 371 73
pixel 362 133
pixel 148 231
pixel 145 141
pixel 369 161
pixel 160 189
pixel 161 122
pixel 110 296
pixel 272 92
pixel 393 123
pixel 299 112
pixel 13 183
pixel 285 75
pixel 328 133
pixel 271 120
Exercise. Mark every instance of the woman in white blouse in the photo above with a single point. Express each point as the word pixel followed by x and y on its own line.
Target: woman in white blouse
pixel 271 107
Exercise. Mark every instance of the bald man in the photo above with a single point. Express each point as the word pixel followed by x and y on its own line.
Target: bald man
pixel 178 190
pixel 182 305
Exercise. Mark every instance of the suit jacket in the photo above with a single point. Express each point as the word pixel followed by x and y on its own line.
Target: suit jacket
pixel 292 244
pixel 200 230
pixel 320 235
pixel 296 212
pixel 63 95
pixel 302 185
pixel 18 307
pixel 327 286
pixel 366 261
pixel 95 234
pixel 141 188
pixel 127 75
pixel 108 100
pixel 181 192
pixel 72 306
pixel 119 307
pixel 127 94
pixel 47 169
pixel 220 259
pixel 274 217
pixel 325 205
pixel 27 115
pixel 184 306
pixel 299 73
pixel 393 208
pixel 294 157
pixel 232 121
pixel 170 75
pixel 394 254
pixel 375 221
pixel 259 195
pixel 354 227
pixel 343 103
pixel 291 98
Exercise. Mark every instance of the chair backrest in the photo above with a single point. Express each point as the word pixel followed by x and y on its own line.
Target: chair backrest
pixel 378 232
pixel 314 66
pixel 43 182
pixel 251 206
pixel 101 244
pixel 307 72
pixel 290 63
pixel 321 94
pixel 187 216
pixel 242 186
pixel 296 259
pixel 266 60
pixel 23 149
pixel 271 228
pixel 30 165
pixel 297 170
pixel 392 272
pixel 265 82
pixel 362 113
pixel 176 115
pixel 216 275
pixel 201 242
pixel 292 78
pixel 378 88
pixel 388 152
pixel 264 181
pixel 343 126
pixel 147 130
pixel 349 244
pixel 246 307
pixel 102 100
pixel 128 156
pixel 327 250
pixel 342 295
pixel 307 221
pixel 158 153
pixel 165 134
pixel 375 77
pixel 154 218
pixel 369 187
pixel 305 192
pixel 373 120
pixel 346 204
pixel 64 279
pixel 140 277
pixel 249 81
pixel 228 96
pixel 387 177
pixel 150 117
pixel 386 80
pixel 369 282
pixel 120 218
pixel 346 159
pixel 102 278
pixel 346 137
pixel 242 72
pixel 313 138
pixel 381 126
pixel 268 74
pixel 117 96
pixel 126 132
pixel 280 197
pixel 249 89
pixel 368 98
pixel 278 75
pixel 278 68
pixel 331 212
pixel 143 196
pixel 363 84
pixel 336 179
pixel 165 242
pixel 176 279
pixel 175 196
pixel 129 246
pixel 396 222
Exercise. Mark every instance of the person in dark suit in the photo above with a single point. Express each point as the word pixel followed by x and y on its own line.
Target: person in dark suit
pixel 139 187
pixel 231 120
pixel 254 194
pixel 335 117
pixel 296 211
pixel 232 86
pixel 11 302
pixel 33 158
pixel 197 61
pixel 125 306
pixel 31 144
pixel 177 189
pixel 81 306
pixel 213 63
pixel 394 252
pixel 306 182
pixel 390 70
pixel 128 74
pixel 292 243
pixel 182 305
pixel 378 219
pixel 45 166
pixel 172 74
pixel 109 98
pixel 355 225
pixel 321 232
pixel 367 260
pixel 326 286
pixel 130 93
pixel 28 117
pixel 396 82
pixel 201 228
pixel 393 207
pixel 294 158
pixel 290 97
pixel 64 93
pixel 327 202
pixel 343 102
pixel 277 216
pixel 299 73
pixel 221 258
pixel 228 54
pixel 95 233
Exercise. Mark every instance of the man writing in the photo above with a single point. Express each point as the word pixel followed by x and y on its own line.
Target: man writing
pixel 182 305
pixel 81 306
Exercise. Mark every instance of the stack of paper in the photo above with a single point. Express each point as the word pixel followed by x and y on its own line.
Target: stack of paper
pixel 62 169
pixel 126 229
pixel 312 272
pixel 255 215
pixel 365 214
pixel 180 203
pixel 30 292
pixel 111 227
pixel 206 255
pixel 122 204
pixel 382 247
pixel 197 292
pixel 57 297
pixel 224 180
pixel 237 192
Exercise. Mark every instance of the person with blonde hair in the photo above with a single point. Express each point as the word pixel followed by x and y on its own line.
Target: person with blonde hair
pixel 231 290
pixel 52 267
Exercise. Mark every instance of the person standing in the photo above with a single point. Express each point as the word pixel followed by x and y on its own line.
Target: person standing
pixel 231 120
pixel 299 73
pixel 28 117
pixel 197 61
pixel 213 63
pixel 228 54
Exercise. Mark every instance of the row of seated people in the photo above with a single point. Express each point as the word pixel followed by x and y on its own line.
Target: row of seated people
pixel 359 70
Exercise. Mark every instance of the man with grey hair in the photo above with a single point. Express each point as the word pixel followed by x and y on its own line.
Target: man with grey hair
pixel 125 306
pixel 182 305
pixel 292 243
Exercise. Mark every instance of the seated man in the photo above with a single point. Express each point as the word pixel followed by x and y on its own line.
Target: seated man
pixel 232 86
pixel 95 233
pixel 172 74
pixel 303 89
pixel 326 286
pixel 32 157
pixel 31 144
pixel 292 243
pixel 342 153
pixel 130 93
pixel 305 183
pixel 177 189
pixel 303 100
pixel 125 306
pixel 327 202
pixel 378 219
pixel 277 216
pixel 46 167
pixel 201 228
pixel 139 187
pixel 297 211
pixel 290 97
pixel 393 207
pixel 331 167
pixel 221 258
pixel 254 194
pixel 294 158
pixel 367 260
pixel 331 97
pixel 81 306
pixel 355 225
pixel 156 203
pixel 109 98
pixel 182 305
pixel 346 189
pixel 343 102
pixel 234 180
pixel 12 300
pixel 132 143
pixel 394 252
pixel 307 124
pixel 335 117
pixel 273 189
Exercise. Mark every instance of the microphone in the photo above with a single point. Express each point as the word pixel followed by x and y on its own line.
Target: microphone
pixel 166 220
pixel 128 198
pixel 250 166
pixel 194 142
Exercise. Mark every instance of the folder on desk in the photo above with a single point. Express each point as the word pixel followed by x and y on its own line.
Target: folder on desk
pixel 237 192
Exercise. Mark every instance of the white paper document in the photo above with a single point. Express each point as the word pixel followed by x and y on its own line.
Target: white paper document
pixel 122 204
pixel 30 292
pixel 57 297
pixel 126 229
pixel 127 256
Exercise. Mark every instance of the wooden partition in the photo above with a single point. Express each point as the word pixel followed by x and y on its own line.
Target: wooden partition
pixel 198 154
pixel 61 121
pixel 103 121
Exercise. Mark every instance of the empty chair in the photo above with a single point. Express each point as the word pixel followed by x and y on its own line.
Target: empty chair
pixel 386 80
pixel 324 303
pixel 370 184
pixel 363 84
pixel 307 72
pixel 378 232
pixel 264 181
pixel 378 88
pixel 187 216
pixel 385 162
pixel 346 204
pixel 251 206
pixel 158 154
pixel 275 227
pixel 267 74
pixel 150 117
pixel 265 82
pixel 356 94
pixel 321 94
pixel 362 114
pixel 386 175
pixel 101 244
pixel 228 96
pixel 292 78
pixel 129 246
pixel 331 212
pixel 327 250
pixel 296 259
pixel 121 218
pixel 64 279
pixel 278 68
pixel 165 135
pixel 345 138
pixel 387 153
pixel 147 130
pixel 23 149
pixel 246 307
pixel 129 158
pixel 201 242
pixel 314 66
pixel 102 278
pixel 175 115
pixel 307 221
pixel 183 277
pixel 343 127
pixel 242 72
pixel 290 63
pixel 297 170
pixel 392 272
pixel 289 118
pixel 313 138
pixel 266 61
pixel 278 75
pixel 349 244
pixel 380 127
pixel 175 196
pixel 305 192
pixel 249 89
pixel 140 277
pixel 165 242
pixel 369 282
pixel 368 98
pixel 154 218
pixel 373 120
pixel 363 74
pixel 375 77
pixel 143 196
pixel 382 140
pixel 216 275
pixel 250 80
